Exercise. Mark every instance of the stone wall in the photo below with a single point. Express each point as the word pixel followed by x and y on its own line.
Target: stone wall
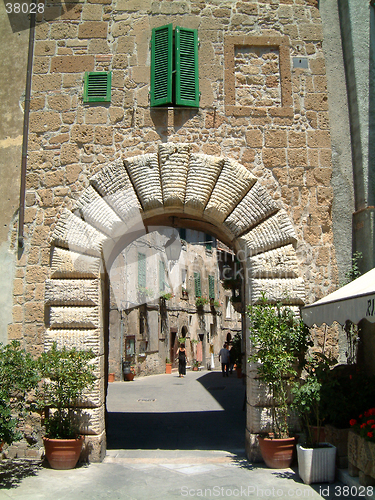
pixel 285 147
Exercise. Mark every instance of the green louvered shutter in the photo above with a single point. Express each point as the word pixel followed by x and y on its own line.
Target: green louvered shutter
pixel 141 270
pixel 211 287
pixel 161 65
pixel 197 281
pixel 187 80
pixel 97 86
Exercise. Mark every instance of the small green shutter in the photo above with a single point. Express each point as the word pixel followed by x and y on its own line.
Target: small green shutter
pixel 141 270
pixel 161 276
pixel 211 287
pixel 197 280
pixel 97 86
pixel 208 241
pixel 187 80
pixel 161 65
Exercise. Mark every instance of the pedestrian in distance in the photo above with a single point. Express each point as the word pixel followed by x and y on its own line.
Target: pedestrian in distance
pixel 225 360
pixel 182 359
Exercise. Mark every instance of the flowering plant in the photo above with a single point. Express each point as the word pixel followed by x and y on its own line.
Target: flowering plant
pixel 365 425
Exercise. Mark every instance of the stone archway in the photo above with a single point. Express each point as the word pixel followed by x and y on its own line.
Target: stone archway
pixel 217 193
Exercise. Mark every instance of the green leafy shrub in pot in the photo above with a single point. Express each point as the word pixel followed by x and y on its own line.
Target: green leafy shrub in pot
pixel 19 377
pixel 307 396
pixel 66 373
pixel 280 340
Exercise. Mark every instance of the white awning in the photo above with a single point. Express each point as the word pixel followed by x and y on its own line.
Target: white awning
pixel 354 301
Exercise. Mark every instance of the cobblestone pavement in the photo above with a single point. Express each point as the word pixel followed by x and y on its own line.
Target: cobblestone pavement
pixel 168 438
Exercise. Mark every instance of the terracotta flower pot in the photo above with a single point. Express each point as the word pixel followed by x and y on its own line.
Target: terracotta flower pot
pixel 168 367
pixel 111 377
pixel 277 453
pixel 63 454
pixel 129 376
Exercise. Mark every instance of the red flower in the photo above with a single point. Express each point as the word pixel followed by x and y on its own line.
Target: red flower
pixel 373 426
pixel 370 434
pixel 371 422
pixel 363 425
pixel 371 411
pixel 353 421
pixel 360 416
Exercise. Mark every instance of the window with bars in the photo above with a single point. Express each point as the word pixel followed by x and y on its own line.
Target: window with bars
pixel 141 270
pixel 211 287
pixel 97 86
pixel 174 66
pixel 197 282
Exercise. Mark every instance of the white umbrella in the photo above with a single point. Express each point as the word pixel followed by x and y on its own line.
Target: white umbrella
pixel 354 301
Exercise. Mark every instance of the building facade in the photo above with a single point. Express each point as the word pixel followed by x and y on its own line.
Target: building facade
pixel 155 307
pixel 243 131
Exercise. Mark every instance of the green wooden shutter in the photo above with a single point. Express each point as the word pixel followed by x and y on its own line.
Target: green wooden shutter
pixel 161 65
pixel 97 86
pixel 211 287
pixel 198 289
pixel 161 276
pixel 187 80
pixel 141 270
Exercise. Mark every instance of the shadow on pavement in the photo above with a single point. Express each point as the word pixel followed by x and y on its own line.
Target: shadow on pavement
pixel 202 430
pixel 12 472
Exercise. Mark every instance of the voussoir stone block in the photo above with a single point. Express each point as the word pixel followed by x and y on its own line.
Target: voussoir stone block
pixel 115 187
pixel 74 317
pixel 145 176
pixel 203 173
pixel 73 292
pixel 94 210
pixel 232 185
pixel 174 165
pixel 74 233
pixel 78 338
pixel 256 206
pixel 66 263
pixel 274 232
pixel 291 291
pixel 279 263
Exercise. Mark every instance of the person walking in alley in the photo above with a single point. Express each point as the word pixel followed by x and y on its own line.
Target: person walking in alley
pixel 181 353
pixel 224 359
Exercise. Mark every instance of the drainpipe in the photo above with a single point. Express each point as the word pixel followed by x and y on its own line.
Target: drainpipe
pixel 26 114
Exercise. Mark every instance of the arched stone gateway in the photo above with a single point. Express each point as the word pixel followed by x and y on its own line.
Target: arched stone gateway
pixel 216 194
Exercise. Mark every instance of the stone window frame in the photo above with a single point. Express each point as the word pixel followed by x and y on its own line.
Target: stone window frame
pixel 282 44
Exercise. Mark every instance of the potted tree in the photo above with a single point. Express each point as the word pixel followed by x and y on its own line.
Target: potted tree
pixel 279 340
pixel 66 374
pixel 316 459
pixel 19 376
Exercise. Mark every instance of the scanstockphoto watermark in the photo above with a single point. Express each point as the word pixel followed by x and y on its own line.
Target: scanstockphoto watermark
pixel 245 492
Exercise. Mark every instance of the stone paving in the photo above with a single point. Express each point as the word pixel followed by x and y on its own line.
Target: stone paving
pixel 216 469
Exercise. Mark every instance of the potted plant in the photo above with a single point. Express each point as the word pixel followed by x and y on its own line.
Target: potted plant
pixel 350 392
pixel 200 302
pixel 66 374
pixel 316 459
pixel 195 365
pixel 19 376
pixel 361 447
pixel 168 366
pixel 279 340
